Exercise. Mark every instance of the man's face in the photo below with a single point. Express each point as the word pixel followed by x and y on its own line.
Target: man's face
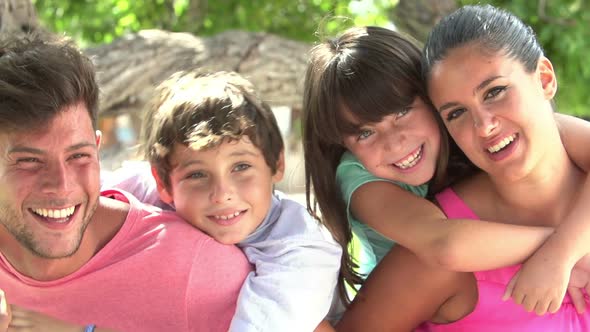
pixel 49 183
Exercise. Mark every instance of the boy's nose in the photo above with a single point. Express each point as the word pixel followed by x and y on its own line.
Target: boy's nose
pixel 222 192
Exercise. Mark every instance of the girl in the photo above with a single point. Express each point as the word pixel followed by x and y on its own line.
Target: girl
pixel 373 146
pixel 492 87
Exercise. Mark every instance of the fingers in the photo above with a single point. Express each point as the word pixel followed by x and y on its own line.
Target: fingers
pixel 5 312
pixel 577 298
pixel 510 287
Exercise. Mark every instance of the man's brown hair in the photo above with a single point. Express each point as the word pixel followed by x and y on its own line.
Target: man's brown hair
pixel 40 75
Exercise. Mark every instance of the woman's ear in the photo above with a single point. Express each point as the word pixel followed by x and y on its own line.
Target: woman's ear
pixel 165 195
pixel 547 77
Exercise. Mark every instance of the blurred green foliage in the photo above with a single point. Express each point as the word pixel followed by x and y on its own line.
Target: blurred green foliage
pixel 563 27
pixel 95 22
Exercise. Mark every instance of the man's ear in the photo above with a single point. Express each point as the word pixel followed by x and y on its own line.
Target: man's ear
pixel 98 135
pixel 165 195
pixel 280 172
pixel 548 78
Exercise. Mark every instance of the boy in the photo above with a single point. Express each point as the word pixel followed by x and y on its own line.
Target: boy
pixel 216 152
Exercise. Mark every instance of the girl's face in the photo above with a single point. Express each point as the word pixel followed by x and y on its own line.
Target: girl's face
pixel 487 102
pixel 401 147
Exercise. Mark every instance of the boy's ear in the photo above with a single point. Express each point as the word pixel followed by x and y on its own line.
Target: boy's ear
pixel 165 196
pixel 278 176
pixel 547 76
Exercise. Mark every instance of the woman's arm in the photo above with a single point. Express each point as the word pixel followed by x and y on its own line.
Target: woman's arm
pixel 400 294
pixel 541 284
pixel 454 244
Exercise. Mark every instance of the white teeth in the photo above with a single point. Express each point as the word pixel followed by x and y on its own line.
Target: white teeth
pixel 502 144
pixel 411 160
pixel 229 216
pixel 55 213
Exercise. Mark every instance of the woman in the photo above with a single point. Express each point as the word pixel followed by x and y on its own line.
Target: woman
pixel 493 88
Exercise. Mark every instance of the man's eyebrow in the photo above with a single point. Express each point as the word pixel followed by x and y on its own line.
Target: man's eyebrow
pixel 27 149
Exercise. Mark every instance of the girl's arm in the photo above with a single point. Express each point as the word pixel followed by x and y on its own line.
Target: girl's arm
pixel 400 294
pixel 541 283
pixel 454 244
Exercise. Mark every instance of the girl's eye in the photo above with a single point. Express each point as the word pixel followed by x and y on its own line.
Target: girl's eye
pixel 241 167
pixel 364 134
pixel 494 92
pixel 403 112
pixel 453 114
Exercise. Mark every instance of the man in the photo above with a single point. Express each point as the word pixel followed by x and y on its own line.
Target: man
pixel 71 252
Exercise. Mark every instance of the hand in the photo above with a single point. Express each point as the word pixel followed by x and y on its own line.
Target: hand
pixel 541 283
pixel 5 313
pixel 28 320
pixel 579 281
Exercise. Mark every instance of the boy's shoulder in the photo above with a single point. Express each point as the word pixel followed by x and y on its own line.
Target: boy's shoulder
pixel 290 220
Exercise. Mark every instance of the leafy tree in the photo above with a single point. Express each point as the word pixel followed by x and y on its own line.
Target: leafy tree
pixel 95 22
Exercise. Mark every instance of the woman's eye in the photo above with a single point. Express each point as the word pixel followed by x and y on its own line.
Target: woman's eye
pixel 364 134
pixel 494 92
pixel 241 167
pixel 452 115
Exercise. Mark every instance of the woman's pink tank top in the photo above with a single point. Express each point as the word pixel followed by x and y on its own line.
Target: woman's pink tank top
pixel 493 314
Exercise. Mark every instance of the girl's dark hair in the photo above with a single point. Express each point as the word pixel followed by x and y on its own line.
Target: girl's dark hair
pixel 493 29
pixel 372 72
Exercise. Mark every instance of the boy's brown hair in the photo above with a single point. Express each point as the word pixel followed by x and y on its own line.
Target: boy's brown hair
pixel 202 110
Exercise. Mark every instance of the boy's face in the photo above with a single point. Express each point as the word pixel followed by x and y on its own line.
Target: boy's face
pixel 224 191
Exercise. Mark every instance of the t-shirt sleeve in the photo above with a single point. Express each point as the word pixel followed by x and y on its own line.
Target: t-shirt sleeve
pixel 218 273
pixel 293 287
pixel 136 178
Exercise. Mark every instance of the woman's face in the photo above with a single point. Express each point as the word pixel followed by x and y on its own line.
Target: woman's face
pixel 495 111
pixel 401 147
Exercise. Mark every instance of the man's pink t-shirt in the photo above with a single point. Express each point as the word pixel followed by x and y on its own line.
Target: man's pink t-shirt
pixel 157 274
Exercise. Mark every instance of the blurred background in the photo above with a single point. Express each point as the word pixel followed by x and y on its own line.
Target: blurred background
pixel 135 44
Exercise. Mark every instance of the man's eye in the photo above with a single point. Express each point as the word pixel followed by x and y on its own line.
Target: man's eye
pixel 28 160
pixel 452 115
pixel 79 155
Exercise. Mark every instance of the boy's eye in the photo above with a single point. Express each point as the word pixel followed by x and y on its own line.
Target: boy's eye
pixel 364 134
pixel 453 114
pixel 195 175
pixel 241 167
pixel 494 92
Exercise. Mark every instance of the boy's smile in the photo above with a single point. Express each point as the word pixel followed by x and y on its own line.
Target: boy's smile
pixel 225 191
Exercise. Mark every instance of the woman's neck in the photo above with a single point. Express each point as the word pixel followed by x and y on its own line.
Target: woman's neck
pixel 545 194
